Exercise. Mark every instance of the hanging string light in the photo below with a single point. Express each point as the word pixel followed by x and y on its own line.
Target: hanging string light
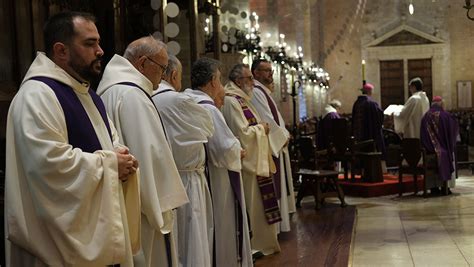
pixel 250 43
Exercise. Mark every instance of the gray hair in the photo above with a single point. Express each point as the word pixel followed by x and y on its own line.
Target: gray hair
pixel 237 71
pixel 144 46
pixel 202 71
pixel 335 103
pixel 173 65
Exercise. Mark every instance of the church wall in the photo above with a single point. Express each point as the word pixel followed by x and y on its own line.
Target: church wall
pixel 461 31
pixel 441 18
pixel 341 49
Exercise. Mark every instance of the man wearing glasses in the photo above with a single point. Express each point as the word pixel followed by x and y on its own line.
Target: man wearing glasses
pixel 278 136
pixel 257 165
pixel 126 88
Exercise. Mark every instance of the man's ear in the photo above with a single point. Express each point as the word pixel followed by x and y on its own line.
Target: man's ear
pixel 213 81
pixel 140 64
pixel 60 51
pixel 174 75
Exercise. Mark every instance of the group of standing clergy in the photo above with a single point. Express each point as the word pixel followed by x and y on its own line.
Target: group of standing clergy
pixel 141 172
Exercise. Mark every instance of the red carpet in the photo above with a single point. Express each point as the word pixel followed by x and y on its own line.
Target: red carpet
pixel 388 187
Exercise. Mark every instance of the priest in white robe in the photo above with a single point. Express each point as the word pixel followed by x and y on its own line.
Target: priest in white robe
pixel 257 166
pixel 71 191
pixel 408 120
pixel 232 239
pixel 279 138
pixel 188 126
pixel 126 88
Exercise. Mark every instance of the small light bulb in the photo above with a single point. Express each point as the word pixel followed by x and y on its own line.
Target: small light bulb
pixel 411 9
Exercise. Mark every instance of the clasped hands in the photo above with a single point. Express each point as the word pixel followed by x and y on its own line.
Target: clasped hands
pixel 127 163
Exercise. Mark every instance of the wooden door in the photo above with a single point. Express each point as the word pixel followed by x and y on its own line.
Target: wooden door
pixel 391 82
pixel 422 68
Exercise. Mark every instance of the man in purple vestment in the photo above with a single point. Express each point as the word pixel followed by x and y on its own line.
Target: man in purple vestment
pixel 331 112
pixel 367 119
pixel 65 165
pixel 439 131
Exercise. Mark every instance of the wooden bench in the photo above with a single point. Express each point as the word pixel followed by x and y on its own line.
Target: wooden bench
pixel 312 181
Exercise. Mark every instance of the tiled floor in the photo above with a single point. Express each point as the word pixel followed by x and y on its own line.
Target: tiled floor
pixel 416 231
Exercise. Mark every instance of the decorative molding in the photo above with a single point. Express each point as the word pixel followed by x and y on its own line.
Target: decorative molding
pixel 407 34
pixel 404 38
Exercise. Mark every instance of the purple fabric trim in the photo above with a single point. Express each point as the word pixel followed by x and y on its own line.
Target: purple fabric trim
pixel 247 112
pixel 234 178
pixel 207 102
pixel 151 100
pixel 164 91
pixel 438 135
pixel 270 203
pixel 277 176
pixel 249 115
pixel 271 105
pixel 81 133
pixel 167 236
pixel 265 184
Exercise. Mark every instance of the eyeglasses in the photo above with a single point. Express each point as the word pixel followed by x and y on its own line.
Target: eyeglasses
pixel 247 77
pixel 163 68
pixel 267 70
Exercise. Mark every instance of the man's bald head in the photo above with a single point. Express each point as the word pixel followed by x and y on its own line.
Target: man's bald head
pixel 148 55
pixel 144 46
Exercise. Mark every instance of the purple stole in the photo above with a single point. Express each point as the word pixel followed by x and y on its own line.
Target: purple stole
pixel 80 131
pixel 164 91
pixel 149 97
pixel 234 178
pixel 276 160
pixel 166 236
pixel 438 134
pixel 265 184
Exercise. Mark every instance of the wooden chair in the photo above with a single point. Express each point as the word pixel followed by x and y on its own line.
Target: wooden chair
pixel 313 179
pixel 358 155
pixel 392 148
pixel 370 161
pixel 411 152
pixel 340 143
pixel 306 148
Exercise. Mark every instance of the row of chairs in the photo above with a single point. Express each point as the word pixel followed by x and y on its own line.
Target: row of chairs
pixel 404 156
